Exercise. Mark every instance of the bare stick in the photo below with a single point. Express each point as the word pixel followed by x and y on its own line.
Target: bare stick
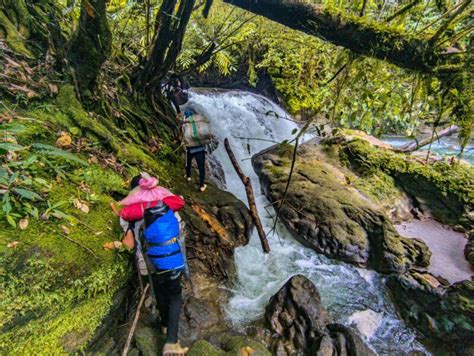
pixel 250 196
pixel 135 321
pixel 80 245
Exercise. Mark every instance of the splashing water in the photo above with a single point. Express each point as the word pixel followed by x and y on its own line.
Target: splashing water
pixel 351 295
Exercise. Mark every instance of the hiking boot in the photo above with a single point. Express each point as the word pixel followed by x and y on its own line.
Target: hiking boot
pixel 174 350
pixel 188 179
pixel 203 188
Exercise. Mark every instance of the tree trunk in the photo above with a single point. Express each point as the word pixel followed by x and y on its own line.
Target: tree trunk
pixel 91 45
pixel 361 36
pixel 170 26
pixel 413 146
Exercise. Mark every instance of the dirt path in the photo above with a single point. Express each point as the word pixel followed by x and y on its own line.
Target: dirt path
pixel 447 247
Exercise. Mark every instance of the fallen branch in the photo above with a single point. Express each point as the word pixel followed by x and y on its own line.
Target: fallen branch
pixel 135 321
pixel 413 146
pixel 250 196
pixel 80 245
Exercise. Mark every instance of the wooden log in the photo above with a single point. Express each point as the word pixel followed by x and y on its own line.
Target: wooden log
pixel 361 36
pixel 250 197
pixel 413 146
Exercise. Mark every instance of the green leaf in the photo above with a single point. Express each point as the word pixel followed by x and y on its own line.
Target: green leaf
pixel 27 194
pixel 10 220
pixel 55 152
pixel 7 207
pixel 8 146
pixel 294 131
pixel 12 128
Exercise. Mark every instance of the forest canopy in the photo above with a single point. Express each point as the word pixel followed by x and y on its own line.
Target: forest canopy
pixel 379 66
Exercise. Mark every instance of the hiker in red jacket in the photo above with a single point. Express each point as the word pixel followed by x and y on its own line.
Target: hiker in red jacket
pixel 152 229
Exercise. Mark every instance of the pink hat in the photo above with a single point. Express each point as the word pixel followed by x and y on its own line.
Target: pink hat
pixel 147 191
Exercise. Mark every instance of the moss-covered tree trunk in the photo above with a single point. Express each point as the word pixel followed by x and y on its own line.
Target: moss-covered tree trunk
pixel 15 25
pixel 359 35
pixel 91 45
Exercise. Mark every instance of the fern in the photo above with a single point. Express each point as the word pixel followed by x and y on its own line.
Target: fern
pixel 52 151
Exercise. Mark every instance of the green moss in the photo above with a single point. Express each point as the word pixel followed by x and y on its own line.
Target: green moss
pixel 58 282
pixel 446 190
pixel 15 40
pixel 101 180
pixel 203 347
pixel 233 345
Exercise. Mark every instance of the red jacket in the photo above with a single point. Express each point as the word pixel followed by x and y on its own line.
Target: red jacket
pixel 136 211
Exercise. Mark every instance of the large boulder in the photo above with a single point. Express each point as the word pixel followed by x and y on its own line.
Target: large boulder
pixel 324 210
pixel 216 224
pixel 441 189
pixel 300 324
pixel 444 312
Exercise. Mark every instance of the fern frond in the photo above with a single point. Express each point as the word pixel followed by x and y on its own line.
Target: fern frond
pixel 55 152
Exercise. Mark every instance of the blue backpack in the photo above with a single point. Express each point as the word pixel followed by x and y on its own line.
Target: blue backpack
pixel 161 237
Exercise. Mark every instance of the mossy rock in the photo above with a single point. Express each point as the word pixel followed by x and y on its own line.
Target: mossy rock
pixel 445 313
pixel 149 341
pixel 325 211
pixel 202 347
pixel 444 190
pixel 229 345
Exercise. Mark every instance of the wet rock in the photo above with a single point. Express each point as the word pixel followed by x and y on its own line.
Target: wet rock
pixel 300 324
pixel 444 312
pixel 216 224
pixel 325 212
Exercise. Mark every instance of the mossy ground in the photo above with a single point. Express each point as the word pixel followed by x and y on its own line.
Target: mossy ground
pixel 58 282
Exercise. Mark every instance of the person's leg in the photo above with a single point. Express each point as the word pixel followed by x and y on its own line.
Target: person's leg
pixel 175 300
pixel 162 301
pixel 189 157
pixel 201 163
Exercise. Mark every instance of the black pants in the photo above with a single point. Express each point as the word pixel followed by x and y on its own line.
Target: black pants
pixel 201 163
pixel 169 300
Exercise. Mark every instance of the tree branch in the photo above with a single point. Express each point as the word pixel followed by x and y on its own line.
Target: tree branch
pixel 358 35
pixel 250 196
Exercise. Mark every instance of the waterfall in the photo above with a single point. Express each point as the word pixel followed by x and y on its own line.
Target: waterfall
pixel 352 296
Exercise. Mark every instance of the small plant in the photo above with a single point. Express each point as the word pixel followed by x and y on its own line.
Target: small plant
pixel 25 176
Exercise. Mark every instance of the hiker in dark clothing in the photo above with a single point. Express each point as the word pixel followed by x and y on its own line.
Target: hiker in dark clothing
pixel 176 92
pixel 197 135
pixel 153 209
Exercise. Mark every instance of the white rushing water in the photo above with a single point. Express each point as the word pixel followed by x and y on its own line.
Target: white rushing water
pixel 351 295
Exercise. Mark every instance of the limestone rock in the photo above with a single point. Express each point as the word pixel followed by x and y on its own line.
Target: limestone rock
pixel 300 324
pixel 332 217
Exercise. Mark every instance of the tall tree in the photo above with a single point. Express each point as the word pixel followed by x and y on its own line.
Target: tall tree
pixel 170 26
pixel 90 45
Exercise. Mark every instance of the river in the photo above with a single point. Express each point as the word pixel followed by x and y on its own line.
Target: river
pixel 352 296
